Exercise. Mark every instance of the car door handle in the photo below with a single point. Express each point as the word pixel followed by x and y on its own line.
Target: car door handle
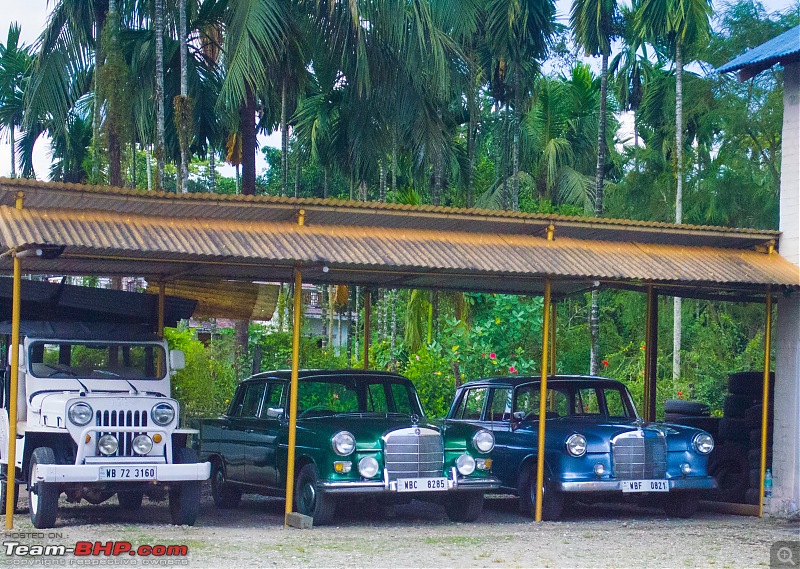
pixel 249 431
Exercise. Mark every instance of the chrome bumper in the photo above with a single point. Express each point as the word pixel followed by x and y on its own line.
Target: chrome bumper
pixel 91 472
pixel 691 483
pixel 454 484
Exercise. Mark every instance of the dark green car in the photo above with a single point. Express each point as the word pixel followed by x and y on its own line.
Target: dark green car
pixel 359 433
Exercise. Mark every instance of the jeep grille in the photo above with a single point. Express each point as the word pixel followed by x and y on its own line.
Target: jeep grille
pixel 413 453
pixel 121 419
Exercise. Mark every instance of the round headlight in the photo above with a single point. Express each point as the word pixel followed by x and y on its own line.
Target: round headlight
pixel 465 464
pixel 368 467
pixel 483 441
pixel 703 443
pixel 80 413
pixel 162 414
pixel 576 445
pixel 107 445
pixel 142 444
pixel 343 443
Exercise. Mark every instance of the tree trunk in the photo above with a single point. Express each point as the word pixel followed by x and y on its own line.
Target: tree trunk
pixel 676 326
pixel 393 332
pixel 331 311
pixel 13 152
pixel 471 132
pixel 505 196
pixel 247 128
pixel 325 182
pixel 394 162
pixel 382 183
pixel 236 180
pixel 113 140
pixel 284 142
pixel 323 305
pixel 184 140
pixel 515 124
pixel 158 30
pixel 133 163
pixel 212 171
pixel 242 338
pixel 149 167
pixel 601 138
pixel 297 177
pixel 594 334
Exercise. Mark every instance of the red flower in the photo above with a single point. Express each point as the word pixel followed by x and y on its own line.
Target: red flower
pixel 512 369
pixel 483 355
pixel 493 356
pixel 680 393
pixel 605 363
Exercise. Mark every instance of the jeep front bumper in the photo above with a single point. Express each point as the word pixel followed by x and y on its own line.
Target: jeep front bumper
pixel 92 472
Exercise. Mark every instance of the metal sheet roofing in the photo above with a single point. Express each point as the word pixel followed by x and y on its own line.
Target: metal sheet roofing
pixel 782 48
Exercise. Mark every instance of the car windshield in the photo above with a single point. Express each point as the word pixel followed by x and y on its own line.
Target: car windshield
pixel 584 400
pixel 95 360
pixel 355 395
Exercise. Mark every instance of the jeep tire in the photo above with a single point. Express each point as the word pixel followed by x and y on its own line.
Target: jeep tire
pixel 42 496
pixel 4 485
pixel 184 497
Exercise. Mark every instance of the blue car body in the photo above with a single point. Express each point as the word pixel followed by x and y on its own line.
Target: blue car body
pixel 619 449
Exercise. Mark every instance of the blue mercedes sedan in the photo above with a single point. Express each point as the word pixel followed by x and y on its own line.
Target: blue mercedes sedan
pixel 596 446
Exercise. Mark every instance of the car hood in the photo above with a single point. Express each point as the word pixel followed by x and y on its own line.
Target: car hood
pixel 367 428
pixel 600 431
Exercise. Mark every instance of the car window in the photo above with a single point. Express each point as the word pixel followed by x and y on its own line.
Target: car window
pixel 376 398
pixel 588 403
pixel 404 400
pixel 250 400
pixel 500 406
pixel 526 400
pixel 471 405
pixel 615 403
pixel 273 398
pixel 327 396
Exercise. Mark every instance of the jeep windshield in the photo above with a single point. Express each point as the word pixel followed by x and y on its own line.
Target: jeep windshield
pixel 97 360
pixel 343 395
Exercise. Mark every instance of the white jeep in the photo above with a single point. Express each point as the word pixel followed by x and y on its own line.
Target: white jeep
pixel 95 418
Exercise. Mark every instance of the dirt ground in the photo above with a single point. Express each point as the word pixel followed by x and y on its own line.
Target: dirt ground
pixel 416 535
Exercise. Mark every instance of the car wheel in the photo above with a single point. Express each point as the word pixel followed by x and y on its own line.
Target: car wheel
pixel 42 496
pixel 309 501
pixel 464 506
pixel 224 496
pixel 552 500
pixel 184 497
pixel 681 505
pixel 3 486
pixel 130 501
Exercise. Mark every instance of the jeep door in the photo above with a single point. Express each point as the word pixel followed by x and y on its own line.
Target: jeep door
pixel 262 439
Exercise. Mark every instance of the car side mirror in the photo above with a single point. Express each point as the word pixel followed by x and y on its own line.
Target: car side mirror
pixel 177 360
pixel 516 418
pixel 274 413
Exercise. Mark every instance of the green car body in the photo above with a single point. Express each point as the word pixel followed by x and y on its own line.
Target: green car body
pixel 359 433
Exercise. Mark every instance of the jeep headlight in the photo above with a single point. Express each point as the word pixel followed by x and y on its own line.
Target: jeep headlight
pixel 142 444
pixel 162 414
pixel 703 443
pixel 108 445
pixel 343 443
pixel 483 441
pixel 80 413
pixel 576 445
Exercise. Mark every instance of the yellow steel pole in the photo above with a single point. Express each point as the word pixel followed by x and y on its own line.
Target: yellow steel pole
pixel 16 309
pixel 298 290
pixel 647 348
pixel 543 401
pixel 367 325
pixel 765 406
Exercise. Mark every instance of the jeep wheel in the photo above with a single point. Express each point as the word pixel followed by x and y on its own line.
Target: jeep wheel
pixel 681 505
pixel 3 485
pixel 130 501
pixel 552 500
pixel 224 496
pixel 309 501
pixel 42 496
pixel 184 497
pixel 464 506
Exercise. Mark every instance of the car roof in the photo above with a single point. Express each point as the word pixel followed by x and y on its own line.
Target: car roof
pixel 286 375
pixel 515 380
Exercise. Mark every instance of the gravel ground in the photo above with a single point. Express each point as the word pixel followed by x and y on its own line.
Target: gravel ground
pixel 416 535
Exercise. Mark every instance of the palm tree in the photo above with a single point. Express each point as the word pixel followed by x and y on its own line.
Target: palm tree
pixel 15 63
pixel 158 95
pixel 593 26
pixel 681 25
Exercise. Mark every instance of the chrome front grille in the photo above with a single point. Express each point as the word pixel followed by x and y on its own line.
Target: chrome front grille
pixel 121 419
pixel 639 455
pixel 413 453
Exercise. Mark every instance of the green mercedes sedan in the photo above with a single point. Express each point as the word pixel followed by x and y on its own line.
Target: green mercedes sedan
pixel 359 434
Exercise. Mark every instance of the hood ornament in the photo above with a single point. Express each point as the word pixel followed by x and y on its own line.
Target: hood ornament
pixel 639 422
pixel 414 419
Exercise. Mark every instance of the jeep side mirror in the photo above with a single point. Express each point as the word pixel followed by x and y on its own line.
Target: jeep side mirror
pixel 274 413
pixel 177 360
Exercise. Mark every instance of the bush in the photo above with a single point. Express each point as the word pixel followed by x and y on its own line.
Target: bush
pixel 434 379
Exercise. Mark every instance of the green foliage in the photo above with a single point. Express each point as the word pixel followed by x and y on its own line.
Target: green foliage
pixel 433 376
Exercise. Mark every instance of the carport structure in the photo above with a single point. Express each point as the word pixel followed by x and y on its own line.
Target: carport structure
pixel 67 229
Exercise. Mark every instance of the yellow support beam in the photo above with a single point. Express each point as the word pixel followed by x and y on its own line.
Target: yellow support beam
pixel 298 295
pixel 367 325
pixel 765 406
pixel 543 400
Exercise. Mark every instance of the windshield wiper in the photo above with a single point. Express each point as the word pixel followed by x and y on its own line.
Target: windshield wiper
pixel 135 391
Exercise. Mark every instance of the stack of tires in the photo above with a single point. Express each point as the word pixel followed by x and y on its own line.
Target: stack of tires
pixel 735 463
pixel 692 414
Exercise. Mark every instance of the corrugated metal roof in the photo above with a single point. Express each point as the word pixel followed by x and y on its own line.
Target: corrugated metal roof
pixel 225 299
pixel 156 245
pixel 781 48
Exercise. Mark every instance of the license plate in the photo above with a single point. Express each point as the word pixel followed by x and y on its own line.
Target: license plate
pixel 421 484
pixel 127 473
pixel 645 486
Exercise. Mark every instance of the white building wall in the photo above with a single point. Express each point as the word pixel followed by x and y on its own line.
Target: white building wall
pixel 786 437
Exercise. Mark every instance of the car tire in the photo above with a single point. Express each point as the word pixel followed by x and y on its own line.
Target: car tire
pixel 754 458
pixel 733 430
pixel 309 501
pixel 184 497
pixel 224 496
pixel 553 501
pixel 681 505
pixel 688 408
pixel 752 417
pixel 464 506
pixel 735 406
pixel 754 439
pixel 729 467
pixel 130 501
pixel 3 486
pixel 750 383
pixel 42 496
